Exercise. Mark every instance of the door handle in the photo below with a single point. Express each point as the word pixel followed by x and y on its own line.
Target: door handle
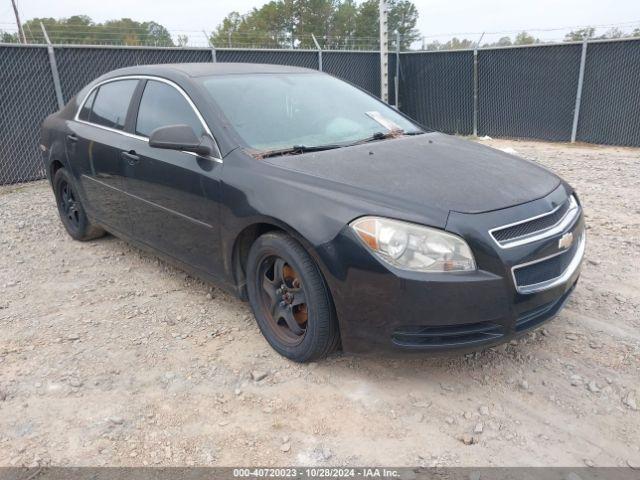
pixel 130 157
pixel 72 138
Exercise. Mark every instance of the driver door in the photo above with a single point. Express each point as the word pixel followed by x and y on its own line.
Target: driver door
pixel 174 195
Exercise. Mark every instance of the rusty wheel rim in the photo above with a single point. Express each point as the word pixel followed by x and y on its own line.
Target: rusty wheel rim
pixel 284 301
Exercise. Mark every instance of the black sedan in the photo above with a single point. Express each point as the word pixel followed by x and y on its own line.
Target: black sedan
pixel 341 220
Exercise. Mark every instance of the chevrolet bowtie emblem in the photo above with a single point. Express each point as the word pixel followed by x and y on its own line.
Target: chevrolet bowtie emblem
pixel 565 241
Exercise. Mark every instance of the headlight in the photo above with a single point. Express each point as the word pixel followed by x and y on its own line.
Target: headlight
pixel 414 247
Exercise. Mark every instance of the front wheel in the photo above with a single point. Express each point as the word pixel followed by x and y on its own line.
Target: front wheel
pixel 290 299
pixel 70 208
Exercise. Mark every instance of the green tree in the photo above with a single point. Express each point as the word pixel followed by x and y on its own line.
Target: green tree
pixel 454 44
pixel 75 29
pixel 80 29
pixel 523 38
pixel 368 23
pixel 313 17
pixel 334 23
pixel 613 33
pixel 182 40
pixel 269 26
pixel 6 37
pixel 503 42
pixel 580 34
pixel 343 25
pixel 402 18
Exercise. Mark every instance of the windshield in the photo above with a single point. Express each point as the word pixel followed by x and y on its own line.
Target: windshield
pixel 279 111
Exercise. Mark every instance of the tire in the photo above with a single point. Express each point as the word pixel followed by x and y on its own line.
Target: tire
pixel 302 299
pixel 71 211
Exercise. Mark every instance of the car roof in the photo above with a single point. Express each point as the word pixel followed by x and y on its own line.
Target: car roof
pixel 207 69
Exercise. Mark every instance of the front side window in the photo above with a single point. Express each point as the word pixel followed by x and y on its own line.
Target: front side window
pixel 274 111
pixel 162 105
pixel 112 103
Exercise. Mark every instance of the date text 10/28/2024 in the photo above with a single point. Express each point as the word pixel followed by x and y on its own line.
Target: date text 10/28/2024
pixel 316 472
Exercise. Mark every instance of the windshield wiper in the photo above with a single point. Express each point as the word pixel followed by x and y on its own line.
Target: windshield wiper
pixel 383 136
pixel 297 149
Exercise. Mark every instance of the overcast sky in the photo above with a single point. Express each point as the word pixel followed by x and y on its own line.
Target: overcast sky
pixel 470 17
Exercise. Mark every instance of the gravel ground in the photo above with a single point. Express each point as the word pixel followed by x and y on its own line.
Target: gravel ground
pixel 110 357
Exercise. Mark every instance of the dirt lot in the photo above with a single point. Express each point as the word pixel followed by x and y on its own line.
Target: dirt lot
pixel 110 357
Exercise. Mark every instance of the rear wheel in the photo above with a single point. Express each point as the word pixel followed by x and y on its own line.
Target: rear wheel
pixel 70 208
pixel 290 299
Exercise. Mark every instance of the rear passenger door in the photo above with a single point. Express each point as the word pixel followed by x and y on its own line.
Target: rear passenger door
pixel 174 195
pixel 99 137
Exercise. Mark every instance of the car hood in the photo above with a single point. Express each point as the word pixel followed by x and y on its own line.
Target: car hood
pixel 441 172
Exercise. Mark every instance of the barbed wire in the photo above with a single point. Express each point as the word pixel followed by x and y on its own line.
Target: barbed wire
pixel 633 23
pixel 181 37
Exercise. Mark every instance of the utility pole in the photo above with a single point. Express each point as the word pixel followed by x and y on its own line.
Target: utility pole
pixel 21 36
pixel 384 52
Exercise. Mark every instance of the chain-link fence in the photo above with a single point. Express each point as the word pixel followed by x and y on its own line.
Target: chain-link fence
pixel 437 90
pixel 26 97
pixel 80 65
pixel 28 92
pixel 563 92
pixel 586 92
pixel 610 106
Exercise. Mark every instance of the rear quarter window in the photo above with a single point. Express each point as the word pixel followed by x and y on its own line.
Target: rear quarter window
pixel 111 103
pixel 85 111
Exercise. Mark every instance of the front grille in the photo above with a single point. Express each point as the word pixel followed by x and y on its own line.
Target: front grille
pixel 537 228
pixel 551 271
pixel 545 270
pixel 446 336
pixel 532 226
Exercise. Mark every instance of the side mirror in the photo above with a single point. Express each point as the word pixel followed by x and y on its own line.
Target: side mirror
pixel 182 137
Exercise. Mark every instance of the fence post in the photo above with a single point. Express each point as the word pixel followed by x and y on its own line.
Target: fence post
pixel 576 111
pixel 319 52
pixel 475 92
pixel 54 68
pixel 213 47
pixel 396 84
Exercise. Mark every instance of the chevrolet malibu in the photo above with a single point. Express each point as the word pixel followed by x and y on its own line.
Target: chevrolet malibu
pixel 340 220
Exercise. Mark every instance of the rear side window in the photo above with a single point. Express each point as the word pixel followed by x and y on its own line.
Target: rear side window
pixel 162 105
pixel 86 108
pixel 112 103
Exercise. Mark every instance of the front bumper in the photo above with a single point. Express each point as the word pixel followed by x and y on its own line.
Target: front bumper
pixel 382 308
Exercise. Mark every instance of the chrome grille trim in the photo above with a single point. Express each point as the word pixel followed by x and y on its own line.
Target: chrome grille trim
pixel 569 218
pixel 559 280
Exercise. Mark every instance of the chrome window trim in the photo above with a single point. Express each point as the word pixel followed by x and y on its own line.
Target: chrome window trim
pixel 142 137
pixel 565 222
pixel 553 282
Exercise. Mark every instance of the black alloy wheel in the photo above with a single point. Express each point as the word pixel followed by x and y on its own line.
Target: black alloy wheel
pixel 283 300
pixel 70 208
pixel 69 205
pixel 290 298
